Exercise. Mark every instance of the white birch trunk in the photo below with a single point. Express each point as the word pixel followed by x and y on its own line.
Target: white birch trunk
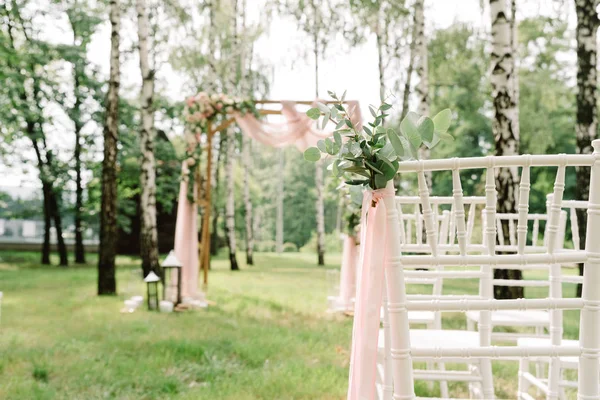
pixel 148 231
pixel 280 197
pixel 107 284
pixel 422 68
pixel 230 203
pixel 319 169
pixel 247 201
pixel 320 214
pixel 587 111
pixel 505 124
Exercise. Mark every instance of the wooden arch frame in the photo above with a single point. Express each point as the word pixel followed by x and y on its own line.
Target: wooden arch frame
pixel 204 243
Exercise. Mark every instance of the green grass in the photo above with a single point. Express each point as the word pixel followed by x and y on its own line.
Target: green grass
pixel 267 337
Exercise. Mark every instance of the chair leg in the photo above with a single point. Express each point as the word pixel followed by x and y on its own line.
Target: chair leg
pixel 523 382
pixel 539 366
pixel 470 324
pixel 553 378
pixel 443 384
pixel 487 379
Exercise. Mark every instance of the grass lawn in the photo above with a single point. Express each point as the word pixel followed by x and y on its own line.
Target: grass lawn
pixel 268 337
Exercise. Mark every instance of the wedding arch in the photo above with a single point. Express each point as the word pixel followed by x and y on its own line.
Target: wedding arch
pixel 207 115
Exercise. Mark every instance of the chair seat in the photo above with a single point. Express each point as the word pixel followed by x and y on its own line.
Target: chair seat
pixel 566 362
pixel 417 317
pixel 515 317
pixel 438 338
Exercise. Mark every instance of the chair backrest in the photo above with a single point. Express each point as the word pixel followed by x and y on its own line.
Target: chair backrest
pixel 399 303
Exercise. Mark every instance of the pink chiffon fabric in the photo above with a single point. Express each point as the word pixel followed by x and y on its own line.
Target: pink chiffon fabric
pixel 365 332
pixel 186 240
pixel 298 129
pixel 348 272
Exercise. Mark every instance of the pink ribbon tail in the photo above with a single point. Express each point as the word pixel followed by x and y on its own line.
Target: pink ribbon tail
pixel 363 361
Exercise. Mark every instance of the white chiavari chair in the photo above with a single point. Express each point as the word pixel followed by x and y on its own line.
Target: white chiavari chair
pixel 536 320
pixel 554 388
pixel 403 347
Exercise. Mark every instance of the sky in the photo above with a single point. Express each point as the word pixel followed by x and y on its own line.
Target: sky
pixel 292 76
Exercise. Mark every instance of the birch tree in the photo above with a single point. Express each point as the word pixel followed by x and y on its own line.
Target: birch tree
pixel 27 57
pixel 280 196
pixel 586 127
pixel 505 126
pixel 148 230
pixel 230 205
pixel 320 20
pixel 107 284
pixel 83 24
pixel 248 201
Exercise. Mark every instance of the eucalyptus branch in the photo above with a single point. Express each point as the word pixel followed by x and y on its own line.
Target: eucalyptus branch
pixel 370 157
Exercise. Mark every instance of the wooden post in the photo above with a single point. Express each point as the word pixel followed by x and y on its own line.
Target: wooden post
pixel 205 236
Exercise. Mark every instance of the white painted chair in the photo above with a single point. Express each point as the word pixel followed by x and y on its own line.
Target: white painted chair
pixel 401 347
pixel 536 320
pixel 555 387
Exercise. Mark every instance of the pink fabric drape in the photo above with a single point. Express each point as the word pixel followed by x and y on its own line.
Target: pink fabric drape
pixel 363 361
pixel 348 272
pixel 186 239
pixel 298 129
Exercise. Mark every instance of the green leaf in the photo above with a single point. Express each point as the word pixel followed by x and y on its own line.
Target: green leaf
pixel 425 127
pixel 373 167
pixel 338 138
pixel 324 109
pixel 388 169
pixel 325 120
pixel 343 96
pixel 446 137
pixel 312 154
pixel 409 128
pixel 321 146
pixel 385 107
pixel 358 170
pixel 357 182
pixel 380 181
pixel 373 113
pixel 388 152
pixel 396 142
pixel 442 120
pixel 335 168
pixel 334 112
pixel 368 131
pixel 348 123
pixel 329 146
pixel 313 113
pixel 340 124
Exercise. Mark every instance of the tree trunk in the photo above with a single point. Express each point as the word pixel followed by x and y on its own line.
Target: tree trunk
pixel 320 214
pixel 75 114
pixel 587 113
pixel 421 63
pixel 248 201
pixel 216 178
pixel 280 197
pixel 47 225
pixel 107 284
pixel 60 241
pixel 230 206
pixel 505 127
pixel 79 248
pixel 148 230
pixel 319 167
pixel 380 66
